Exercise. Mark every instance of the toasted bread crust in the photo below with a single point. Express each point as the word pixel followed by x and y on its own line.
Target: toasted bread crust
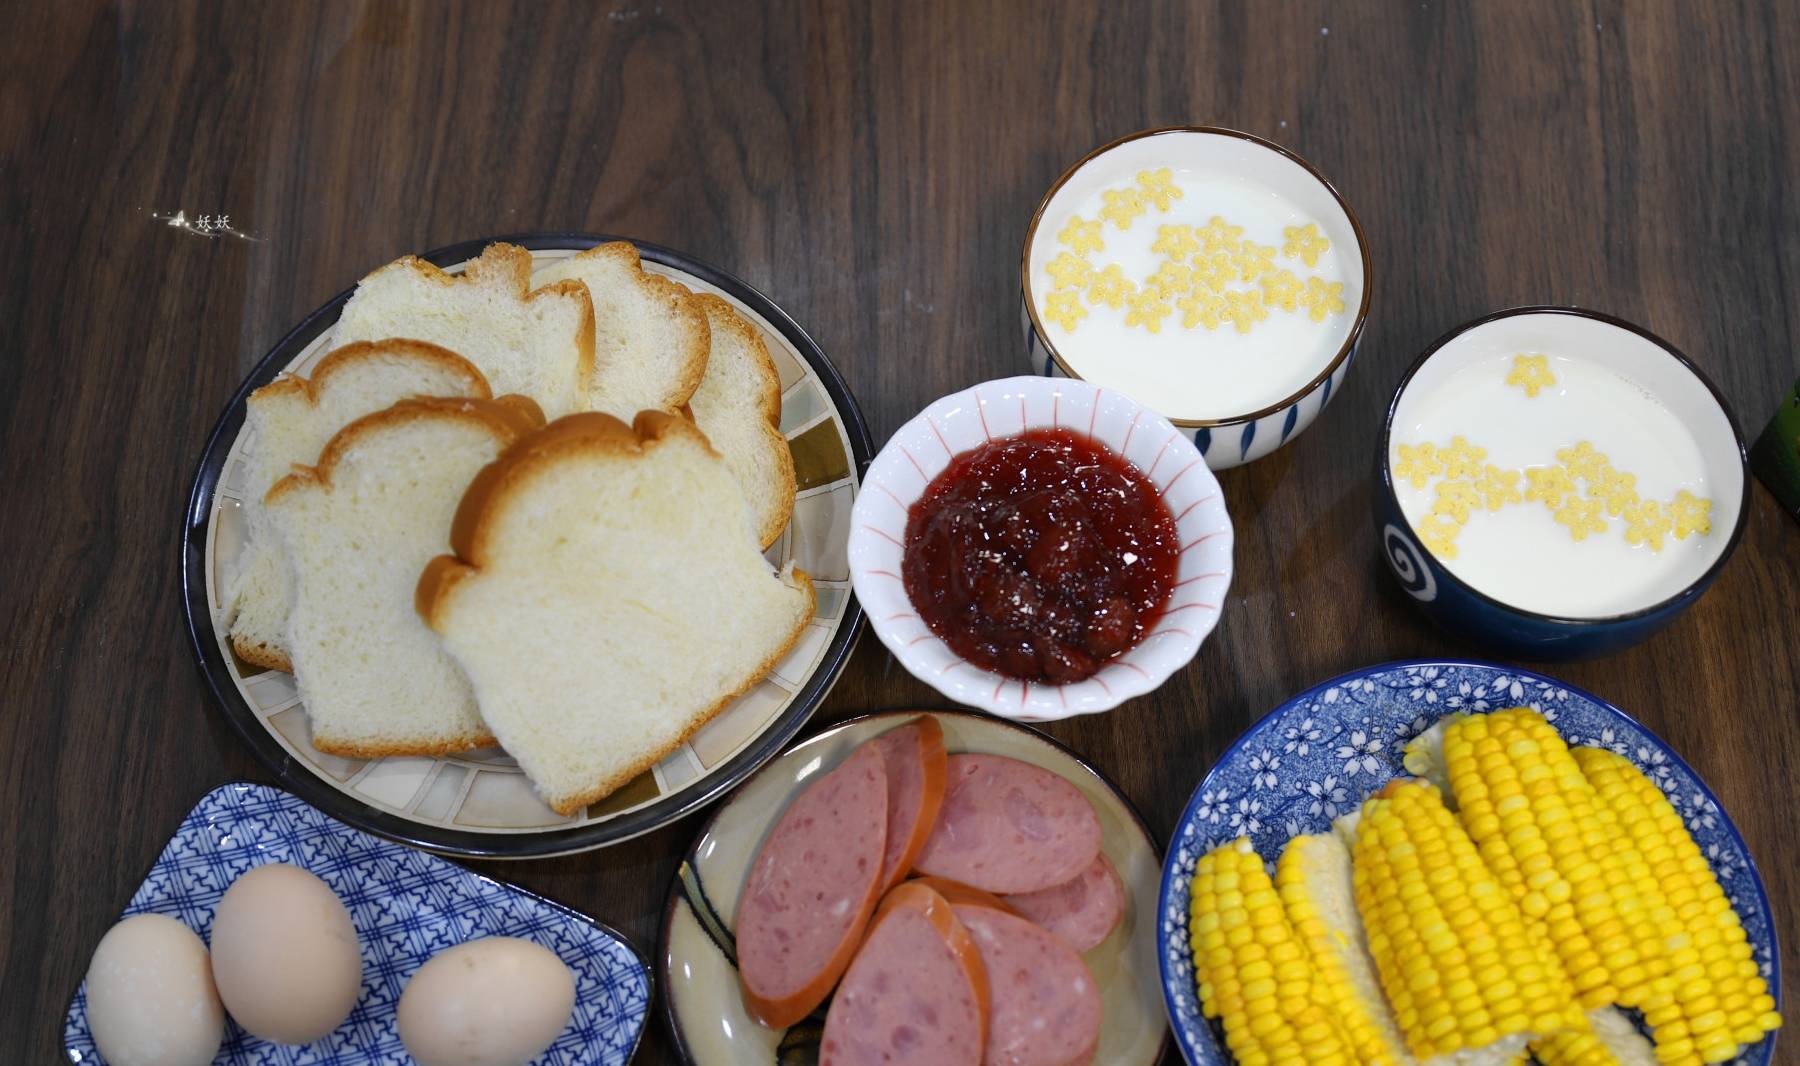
pixel 768 403
pixel 350 749
pixel 677 301
pixel 260 654
pixel 309 386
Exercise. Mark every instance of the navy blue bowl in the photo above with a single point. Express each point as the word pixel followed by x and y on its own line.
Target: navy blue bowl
pixel 1491 624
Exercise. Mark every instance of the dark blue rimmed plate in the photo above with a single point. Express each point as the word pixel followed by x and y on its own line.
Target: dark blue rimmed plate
pixel 1317 755
pixel 406 906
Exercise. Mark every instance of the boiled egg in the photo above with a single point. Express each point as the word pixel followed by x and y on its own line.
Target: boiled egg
pixel 284 955
pixel 150 995
pixel 498 1001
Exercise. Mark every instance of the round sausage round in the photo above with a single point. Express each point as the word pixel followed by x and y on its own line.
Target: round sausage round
pixel 915 760
pixel 1045 1004
pixel 1007 826
pixel 1083 910
pixel 810 891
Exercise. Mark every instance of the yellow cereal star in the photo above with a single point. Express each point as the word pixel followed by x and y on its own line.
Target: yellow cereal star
pixel 1158 187
pixel 1461 459
pixel 1581 516
pixel 1176 242
pixel 1531 373
pixel 1253 260
pixel 1171 279
pixel 1218 236
pixel 1148 309
pixel 1122 205
pixel 1281 289
pixel 1615 488
pixel 1418 464
pixel 1201 307
pixel 1214 270
pixel 1647 523
pixel 1305 243
pixel 1691 514
pixel 1081 235
pixel 1322 298
pixel 1110 287
pixel 1584 463
pixel 1548 485
pixel 1064 308
pixel 1068 271
pixel 1455 499
pixel 1498 487
pixel 1439 536
pixel 1245 308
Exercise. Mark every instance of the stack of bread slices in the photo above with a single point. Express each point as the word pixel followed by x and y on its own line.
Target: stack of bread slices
pixel 529 516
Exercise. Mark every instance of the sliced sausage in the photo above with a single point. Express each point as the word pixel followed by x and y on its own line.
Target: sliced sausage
pixel 1083 910
pixel 915 760
pixel 1044 1003
pixel 916 995
pixel 810 891
pixel 1007 826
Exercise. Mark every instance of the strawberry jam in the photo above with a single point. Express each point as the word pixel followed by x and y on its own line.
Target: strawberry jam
pixel 1040 556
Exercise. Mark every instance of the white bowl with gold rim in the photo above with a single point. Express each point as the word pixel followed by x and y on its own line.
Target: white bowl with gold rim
pixel 1209 274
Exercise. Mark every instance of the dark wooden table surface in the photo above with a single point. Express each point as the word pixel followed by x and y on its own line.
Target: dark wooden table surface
pixel 871 168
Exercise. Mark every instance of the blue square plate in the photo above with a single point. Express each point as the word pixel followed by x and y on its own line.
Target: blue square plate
pixel 406 905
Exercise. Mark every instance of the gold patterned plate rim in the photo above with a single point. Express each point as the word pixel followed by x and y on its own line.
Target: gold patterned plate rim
pixel 469 804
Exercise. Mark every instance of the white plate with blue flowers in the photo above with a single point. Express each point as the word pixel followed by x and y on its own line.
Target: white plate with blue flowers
pixel 1319 754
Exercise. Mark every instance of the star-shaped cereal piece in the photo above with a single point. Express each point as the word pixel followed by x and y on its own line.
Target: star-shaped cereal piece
pixel 1201 307
pixel 1691 514
pixel 1418 464
pixel 1531 373
pixel 1548 485
pixel 1244 307
pixel 1615 488
pixel 1439 536
pixel 1461 459
pixel 1281 289
pixel 1584 463
pixel 1582 516
pixel 1304 243
pixel 1253 260
pixel 1215 270
pixel 1176 241
pixel 1498 487
pixel 1455 499
pixel 1068 271
pixel 1219 236
pixel 1122 205
pixel 1081 235
pixel 1148 309
pixel 1322 298
pixel 1110 287
pixel 1647 523
pixel 1171 279
pixel 1158 187
pixel 1064 308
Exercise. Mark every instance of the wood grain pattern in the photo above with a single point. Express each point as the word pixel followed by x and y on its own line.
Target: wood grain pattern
pixel 872 168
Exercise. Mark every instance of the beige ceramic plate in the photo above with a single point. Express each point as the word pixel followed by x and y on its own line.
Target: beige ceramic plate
pixel 480 803
pixel 701 1004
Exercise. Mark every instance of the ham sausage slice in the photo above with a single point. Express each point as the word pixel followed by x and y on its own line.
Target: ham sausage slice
pixel 1045 1006
pixel 810 890
pixel 915 760
pixel 1007 827
pixel 1083 911
pixel 917 994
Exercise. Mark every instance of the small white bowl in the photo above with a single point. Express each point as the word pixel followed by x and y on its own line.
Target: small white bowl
pixel 955 424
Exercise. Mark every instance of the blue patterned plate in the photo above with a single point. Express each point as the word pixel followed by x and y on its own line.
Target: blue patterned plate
pixel 407 905
pixel 1317 755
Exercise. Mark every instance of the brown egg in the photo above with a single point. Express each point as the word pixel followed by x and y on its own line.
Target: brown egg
pixel 284 955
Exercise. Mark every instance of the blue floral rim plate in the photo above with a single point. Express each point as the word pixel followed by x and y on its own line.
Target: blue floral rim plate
pixel 407 905
pixel 1319 754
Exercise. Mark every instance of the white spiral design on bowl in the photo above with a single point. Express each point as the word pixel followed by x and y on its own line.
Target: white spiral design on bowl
pixel 1408 564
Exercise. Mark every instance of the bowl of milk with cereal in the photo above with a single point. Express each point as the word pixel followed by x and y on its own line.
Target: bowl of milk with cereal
pixel 1556 483
pixel 1208 274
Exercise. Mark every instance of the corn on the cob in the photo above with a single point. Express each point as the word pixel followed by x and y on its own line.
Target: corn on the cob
pixel 1319 894
pixel 1721 998
pixel 1612 1041
pixel 1467 980
pixel 1254 975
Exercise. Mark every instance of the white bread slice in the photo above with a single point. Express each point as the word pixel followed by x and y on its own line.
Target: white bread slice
pixel 738 407
pixel 539 343
pixel 290 420
pixel 355 531
pixel 650 339
pixel 607 598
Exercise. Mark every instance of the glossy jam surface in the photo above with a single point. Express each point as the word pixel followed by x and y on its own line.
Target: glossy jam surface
pixel 1040 556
